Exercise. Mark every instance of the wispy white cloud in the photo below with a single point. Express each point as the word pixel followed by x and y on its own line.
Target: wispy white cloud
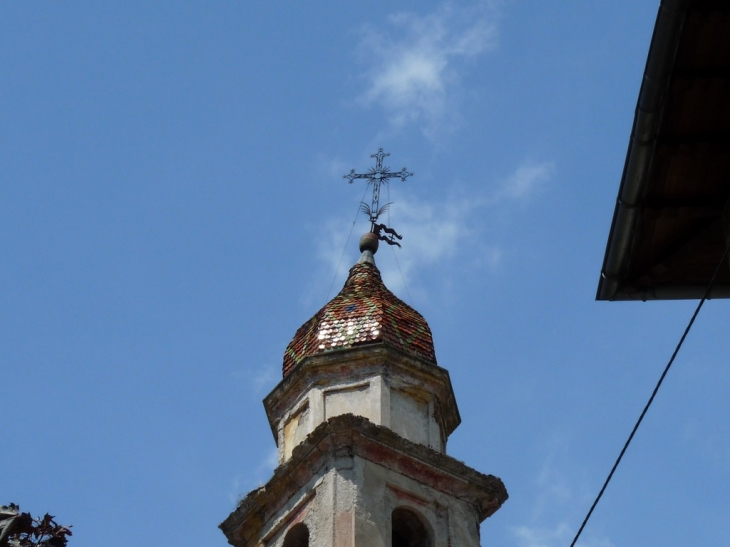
pixel 436 232
pixel 552 484
pixel 266 467
pixel 526 180
pixel 241 485
pixel 415 62
pixel 556 536
pixel 259 379
pixel 542 537
pixel 557 495
pixel 336 254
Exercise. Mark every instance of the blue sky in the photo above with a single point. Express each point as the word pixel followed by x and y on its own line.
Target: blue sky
pixel 172 209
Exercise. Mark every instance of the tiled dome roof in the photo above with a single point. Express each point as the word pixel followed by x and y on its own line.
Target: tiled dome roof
pixel 365 312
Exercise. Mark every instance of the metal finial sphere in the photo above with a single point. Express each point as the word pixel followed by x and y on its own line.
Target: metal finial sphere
pixel 369 242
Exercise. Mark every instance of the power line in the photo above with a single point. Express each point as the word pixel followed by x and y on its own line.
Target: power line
pixel 344 249
pixel 651 399
pixel 410 298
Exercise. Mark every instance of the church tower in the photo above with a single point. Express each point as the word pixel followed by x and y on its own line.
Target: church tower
pixel 361 420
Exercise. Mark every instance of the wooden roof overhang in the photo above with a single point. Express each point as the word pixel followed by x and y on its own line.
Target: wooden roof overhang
pixel 668 232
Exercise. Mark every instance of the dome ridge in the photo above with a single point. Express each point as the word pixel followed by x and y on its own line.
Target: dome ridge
pixel 364 312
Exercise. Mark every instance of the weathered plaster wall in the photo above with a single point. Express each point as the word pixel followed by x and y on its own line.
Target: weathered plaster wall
pixel 359 399
pixel 351 506
pixel 326 505
pixel 389 401
pixel 413 416
pixel 344 481
pixel 451 521
pixel 296 428
pixel 312 506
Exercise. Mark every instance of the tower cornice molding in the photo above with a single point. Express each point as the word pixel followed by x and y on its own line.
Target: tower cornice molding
pixel 359 363
pixel 335 443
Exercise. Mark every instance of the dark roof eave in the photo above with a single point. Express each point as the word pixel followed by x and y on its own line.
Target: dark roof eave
pixel 649 110
pixel 671 292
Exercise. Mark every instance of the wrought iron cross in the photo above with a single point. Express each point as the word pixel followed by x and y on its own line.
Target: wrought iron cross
pixel 376 176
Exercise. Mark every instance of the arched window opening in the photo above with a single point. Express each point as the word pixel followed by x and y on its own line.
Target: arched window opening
pixel 409 530
pixel 297 536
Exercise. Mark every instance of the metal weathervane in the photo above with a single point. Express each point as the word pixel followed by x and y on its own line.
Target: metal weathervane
pixel 376 176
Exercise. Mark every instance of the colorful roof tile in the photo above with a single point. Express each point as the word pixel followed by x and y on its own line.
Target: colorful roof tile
pixel 365 312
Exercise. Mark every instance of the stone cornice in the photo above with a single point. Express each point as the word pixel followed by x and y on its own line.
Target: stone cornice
pixel 347 436
pixel 357 363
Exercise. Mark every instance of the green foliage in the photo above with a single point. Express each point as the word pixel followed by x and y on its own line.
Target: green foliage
pixel 21 530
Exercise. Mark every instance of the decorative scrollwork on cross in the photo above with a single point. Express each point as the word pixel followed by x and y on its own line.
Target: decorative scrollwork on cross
pixel 376 176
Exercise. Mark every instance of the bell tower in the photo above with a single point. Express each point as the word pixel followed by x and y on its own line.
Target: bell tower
pixel 361 419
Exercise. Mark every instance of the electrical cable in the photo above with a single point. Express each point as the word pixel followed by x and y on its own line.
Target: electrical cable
pixel 410 298
pixel 344 249
pixel 651 399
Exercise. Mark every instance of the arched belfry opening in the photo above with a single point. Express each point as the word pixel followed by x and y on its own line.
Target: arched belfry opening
pixel 409 529
pixel 297 536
